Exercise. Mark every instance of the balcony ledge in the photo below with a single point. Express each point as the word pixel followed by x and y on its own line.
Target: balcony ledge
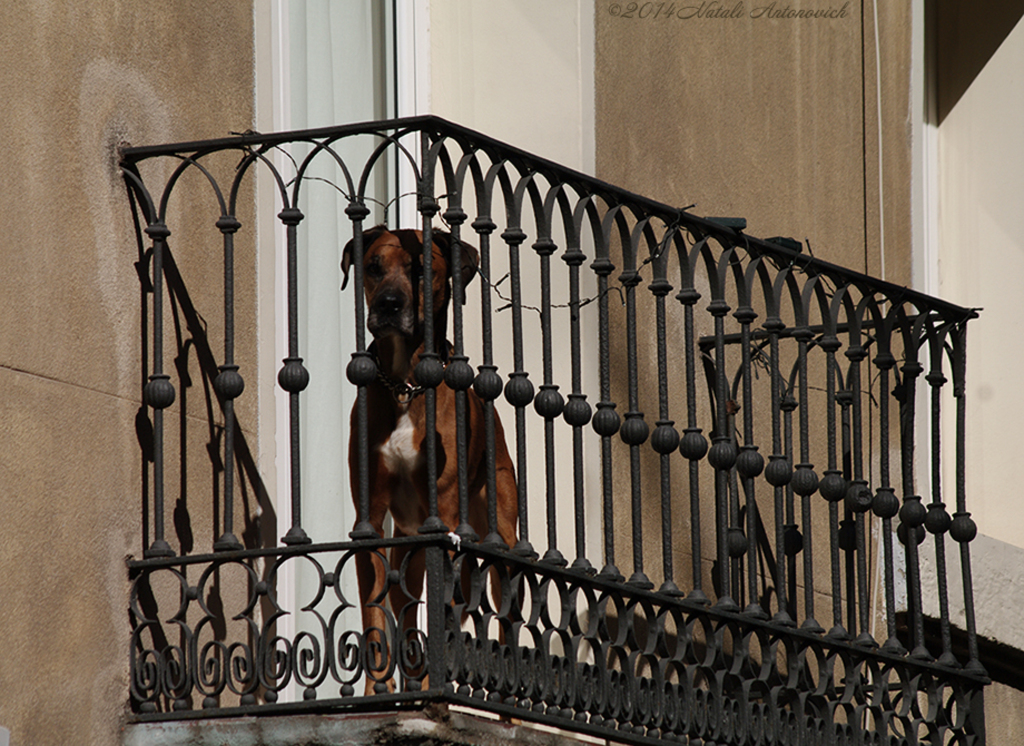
pixel 432 723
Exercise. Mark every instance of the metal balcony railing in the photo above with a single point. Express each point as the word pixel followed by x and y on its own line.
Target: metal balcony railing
pixel 770 590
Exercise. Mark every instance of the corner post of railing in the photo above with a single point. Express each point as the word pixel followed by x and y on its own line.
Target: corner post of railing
pixel 937 520
pixel 519 389
pixel 361 371
pixel 665 438
pixel 293 376
pixel 488 384
pixel 606 419
pixel 549 402
pixel 885 504
pixel 805 480
pixel 722 457
pixel 634 430
pixel 693 446
pixel 749 462
pixel 158 392
pixel 577 413
pixel 458 375
pixel 963 528
pixel 778 472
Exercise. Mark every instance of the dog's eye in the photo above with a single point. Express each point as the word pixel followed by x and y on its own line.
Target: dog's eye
pixel 374 270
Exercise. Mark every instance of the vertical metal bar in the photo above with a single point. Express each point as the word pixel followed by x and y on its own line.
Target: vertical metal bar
pixel 429 371
pixel 722 457
pixel 577 411
pixel 749 463
pixel 519 389
pixel 294 377
pixel 436 664
pixel 693 445
pixel 361 371
pixel 912 514
pixel 229 383
pixel 885 504
pixel 847 527
pixel 488 383
pixel 158 392
pixel 833 486
pixel 549 403
pixel 858 496
pixel 606 420
pixel 937 521
pixel 794 538
pixel 805 481
pixel 963 529
pixel 664 439
pixel 458 374
pixel 778 472
pixel 634 430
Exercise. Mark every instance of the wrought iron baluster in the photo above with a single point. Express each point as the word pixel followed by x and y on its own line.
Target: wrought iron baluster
pixel 805 481
pixel 294 377
pixel 429 371
pixel 361 371
pixel 937 520
pixel 606 419
pixel 664 439
pixel 549 402
pixel 885 503
pixel 519 389
pixel 693 446
pixel 963 528
pixel 858 496
pixel 778 472
pixel 722 456
pixel 749 463
pixel 634 430
pixel 577 412
pixel 488 384
pixel 229 384
pixel 459 375
pixel 158 392
pixel 833 485
pixel 912 514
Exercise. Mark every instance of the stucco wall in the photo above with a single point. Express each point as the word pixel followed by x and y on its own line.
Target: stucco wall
pixel 77 80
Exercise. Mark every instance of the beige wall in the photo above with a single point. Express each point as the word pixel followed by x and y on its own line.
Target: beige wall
pixel 765 119
pixel 76 80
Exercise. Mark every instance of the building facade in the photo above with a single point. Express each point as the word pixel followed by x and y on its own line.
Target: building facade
pixel 877 136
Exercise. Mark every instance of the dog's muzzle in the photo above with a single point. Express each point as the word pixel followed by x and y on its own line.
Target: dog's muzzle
pixel 390 311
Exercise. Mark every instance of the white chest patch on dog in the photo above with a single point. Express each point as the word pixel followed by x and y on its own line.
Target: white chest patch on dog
pixel 399 452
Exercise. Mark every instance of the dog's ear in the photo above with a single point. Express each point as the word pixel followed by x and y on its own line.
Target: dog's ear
pixel 369 236
pixel 469 256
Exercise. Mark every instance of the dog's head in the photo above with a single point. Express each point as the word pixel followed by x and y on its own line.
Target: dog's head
pixel 393 278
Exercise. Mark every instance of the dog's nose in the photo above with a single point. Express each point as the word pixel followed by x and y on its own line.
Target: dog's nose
pixel 389 303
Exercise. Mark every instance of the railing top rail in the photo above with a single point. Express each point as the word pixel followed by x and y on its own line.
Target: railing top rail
pixel 705 227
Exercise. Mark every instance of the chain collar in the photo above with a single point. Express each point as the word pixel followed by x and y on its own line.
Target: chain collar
pixel 403 392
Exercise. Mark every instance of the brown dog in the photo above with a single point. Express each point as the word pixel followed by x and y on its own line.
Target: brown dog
pixel 393 283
